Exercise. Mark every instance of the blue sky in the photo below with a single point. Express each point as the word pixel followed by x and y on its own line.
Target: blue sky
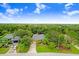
pixel 39 12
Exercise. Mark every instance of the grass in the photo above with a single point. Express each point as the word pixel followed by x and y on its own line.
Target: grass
pixel 4 50
pixel 44 48
pixel 74 50
pixel 21 49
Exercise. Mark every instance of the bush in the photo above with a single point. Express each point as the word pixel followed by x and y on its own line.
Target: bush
pixel 1 45
pixel 4 42
pixel 39 41
pixel 67 46
pixel 52 45
pixel 45 41
pixel 22 48
pixel 24 44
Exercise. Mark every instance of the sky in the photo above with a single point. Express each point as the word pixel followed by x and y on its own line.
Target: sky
pixel 39 12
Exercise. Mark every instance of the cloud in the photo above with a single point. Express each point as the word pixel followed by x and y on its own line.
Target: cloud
pixel 68 6
pixel 2 16
pixel 25 7
pixel 5 5
pixel 21 9
pixel 16 12
pixel 71 13
pixel 12 11
pixel 10 15
pixel 37 10
pixel 5 19
pixel 39 7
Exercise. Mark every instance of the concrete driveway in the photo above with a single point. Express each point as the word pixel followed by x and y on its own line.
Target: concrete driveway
pixel 32 50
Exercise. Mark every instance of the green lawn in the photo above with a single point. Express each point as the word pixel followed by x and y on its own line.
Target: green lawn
pixel 74 50
pixel 44 48
pixel 3 50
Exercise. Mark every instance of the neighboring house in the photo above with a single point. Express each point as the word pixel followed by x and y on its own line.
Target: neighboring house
pixel 38 36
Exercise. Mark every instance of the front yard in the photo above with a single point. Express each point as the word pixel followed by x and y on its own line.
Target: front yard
pixel 4 50
pixel 46 49
pixel 21 48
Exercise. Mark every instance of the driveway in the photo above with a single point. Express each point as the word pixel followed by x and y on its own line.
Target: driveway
pixel 32 50
pixel 12 50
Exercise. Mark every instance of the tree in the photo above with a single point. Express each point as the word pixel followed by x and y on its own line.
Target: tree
pixel 4 42
pixel 52 36
pixel 22 33
pixel 26 40
pixel 61 40
pixel 45 41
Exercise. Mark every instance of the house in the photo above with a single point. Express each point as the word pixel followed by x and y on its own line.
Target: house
pixel 9 36
pixel 38 36
pixel 13 39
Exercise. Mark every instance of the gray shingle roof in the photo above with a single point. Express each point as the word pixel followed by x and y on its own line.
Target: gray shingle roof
pixel 9 36
pixel 16 38
pixel 38 36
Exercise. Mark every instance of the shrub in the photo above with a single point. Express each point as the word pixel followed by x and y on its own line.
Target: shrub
pixel 22 48
pixel 24 44
pixel 45 41
pixel 52 45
